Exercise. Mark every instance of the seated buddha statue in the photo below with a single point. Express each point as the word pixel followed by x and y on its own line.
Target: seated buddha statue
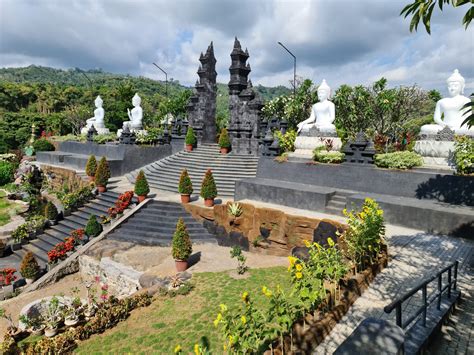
pixel 135 115
pixel 98 120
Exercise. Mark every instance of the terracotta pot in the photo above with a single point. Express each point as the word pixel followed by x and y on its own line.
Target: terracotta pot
pixel 224 150
pixel 189 147
pixel 91 178
pixel 181 265
pixel 101 189
pixel 209 202
pixel 141 198
pixel 185 198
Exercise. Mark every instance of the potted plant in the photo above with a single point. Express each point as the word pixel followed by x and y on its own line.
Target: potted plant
pixel 29 268
pixel 19 235
pixel 72 309
pixel 185 187
pixel 33 324
pixel 52 317
pixel 190 139
pixel 208 189
pixel 93 227
pixel 91 167
pixel 12 329
pixel 181 247
pixel 102 175
pixel 51 213
pixel 141 186
pixel 224 141
pixel 38 223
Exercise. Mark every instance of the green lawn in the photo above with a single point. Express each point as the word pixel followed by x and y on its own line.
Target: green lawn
pixel 5 207
pixel 184 320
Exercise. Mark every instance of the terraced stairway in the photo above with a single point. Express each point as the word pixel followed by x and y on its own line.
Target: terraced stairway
pixel 155 223
pixel 55 234
pixel 227 169
pixel 338 202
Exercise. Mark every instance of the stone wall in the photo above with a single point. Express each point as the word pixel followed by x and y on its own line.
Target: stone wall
pixel 277 233
pixel 59 177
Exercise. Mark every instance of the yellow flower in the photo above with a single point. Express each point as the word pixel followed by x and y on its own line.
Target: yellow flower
pixel 197 351
pixel 299 267
pixel 292 261
pixel 218 319
pixel 243 319
pixel 245 297
pixel 299 275
pixel 177 349
pixel 307 243
pixel 231 340
pixel 225 347
pixel 379 212
pixel 223 307
pixel 362 215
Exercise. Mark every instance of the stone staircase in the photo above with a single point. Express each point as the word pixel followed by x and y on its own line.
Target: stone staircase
pixel 227 169
pixel 155 224
pixel 55 234
pixel 338 202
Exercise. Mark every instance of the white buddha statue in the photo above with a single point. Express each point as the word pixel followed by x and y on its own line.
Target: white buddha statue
pixel 448 112
pixel 323 113
pixel 98 120
pixel 135 115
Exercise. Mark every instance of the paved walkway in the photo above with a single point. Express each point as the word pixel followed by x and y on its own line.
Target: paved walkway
pixel 415 256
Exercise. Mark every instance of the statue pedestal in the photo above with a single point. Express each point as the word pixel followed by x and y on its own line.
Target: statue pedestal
pixel 136 131
pixel 436 154
pixel 99 130
pixel 305 145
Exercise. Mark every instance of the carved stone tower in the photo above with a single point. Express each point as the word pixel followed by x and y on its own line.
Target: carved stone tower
pixel 202 105
pixel 245 104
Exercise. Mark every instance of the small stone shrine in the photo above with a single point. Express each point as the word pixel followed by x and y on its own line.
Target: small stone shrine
pixel 202 104
pixel 127 137
pixel 359 151
pixel 245 105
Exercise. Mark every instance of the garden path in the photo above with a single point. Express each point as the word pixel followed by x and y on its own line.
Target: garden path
pixel 414 256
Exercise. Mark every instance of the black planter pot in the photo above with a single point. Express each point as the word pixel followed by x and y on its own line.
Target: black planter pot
pixel 16 246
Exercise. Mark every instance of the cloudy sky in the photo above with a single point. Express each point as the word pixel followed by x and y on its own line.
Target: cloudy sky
pixel 343 41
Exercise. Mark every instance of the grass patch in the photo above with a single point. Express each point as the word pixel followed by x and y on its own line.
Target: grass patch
pixel 7 209
pixel 184 320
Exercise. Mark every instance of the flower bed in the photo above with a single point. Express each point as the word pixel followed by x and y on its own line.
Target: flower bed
pixel 60 251
pixel 122 203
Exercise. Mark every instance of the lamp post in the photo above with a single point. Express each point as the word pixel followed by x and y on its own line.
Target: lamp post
pixel 294 68
pixel 89 80
pixel 166 78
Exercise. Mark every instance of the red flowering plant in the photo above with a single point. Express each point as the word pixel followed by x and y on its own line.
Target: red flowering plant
pixel 122 203
pixel 60 250
pixel 77 235
pixel 7 275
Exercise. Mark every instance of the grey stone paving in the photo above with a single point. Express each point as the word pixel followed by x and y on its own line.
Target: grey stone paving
pixel 415 256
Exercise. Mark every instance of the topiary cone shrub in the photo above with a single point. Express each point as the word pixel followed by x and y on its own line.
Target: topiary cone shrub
pixel 102 175
pixel 208 189
pixel 141 186
pixel 185 187
pixel 91 167
pixel 190 139
pixel 182 246
pixel 51 212
pixel 29 267
pixel 93 227
pixel 224 141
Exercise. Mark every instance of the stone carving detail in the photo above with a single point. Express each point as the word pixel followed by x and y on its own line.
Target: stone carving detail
pixel 359 151
pixel 91 133
pixel 245 105
pixel 127 137
pixel 202 104
pixel 446 134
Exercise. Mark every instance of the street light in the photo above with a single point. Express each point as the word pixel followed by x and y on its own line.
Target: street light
pixel 166 77
pixel 89 80
pixel 294 68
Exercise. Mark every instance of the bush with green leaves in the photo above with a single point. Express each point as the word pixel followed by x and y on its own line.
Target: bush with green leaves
pixel 398 160
pixel 93 227
pixel 190 137
pixel 141 184
pixel 102 175
pixel 7 170
pixel 104 138
pixel 91 166
pixel 236 252
pixel 287 140
pixel 224 140
pixel 181 245
pixel 208 186
pixel 50 211
pixel 463 156
pixel 76 199
pixel 321 155
pixel 185 186
pixel 21 233
pixel 29 267
pixel 364 237
pixel 43 145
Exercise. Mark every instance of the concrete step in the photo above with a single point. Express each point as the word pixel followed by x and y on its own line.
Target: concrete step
pixel 62 228
pixel 157 241
pixel 337 197
pixel 158 229
pixel 334 210
pixel 70 224
pixel 54 234
pixel 90 210
pixel 337 204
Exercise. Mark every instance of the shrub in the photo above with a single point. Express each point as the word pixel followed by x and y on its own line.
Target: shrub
pixel 21 232
pixel 102 175
pixel 364 236
pixel 76 199
pixel 224 140
pixel 331 157
pixel 104 138
pixel 43 145
pixel 208 187
pixel 464 155
pixel 93 227
pixel 190 137
pixel 7 170
pixel 29 267
pixel 235 209
pixel 50 211
pixel 398 160
pixel 91 166
pixel 182 247
pixel 236 252
pixel 287 140
pixel 185 186
pixel 141 184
